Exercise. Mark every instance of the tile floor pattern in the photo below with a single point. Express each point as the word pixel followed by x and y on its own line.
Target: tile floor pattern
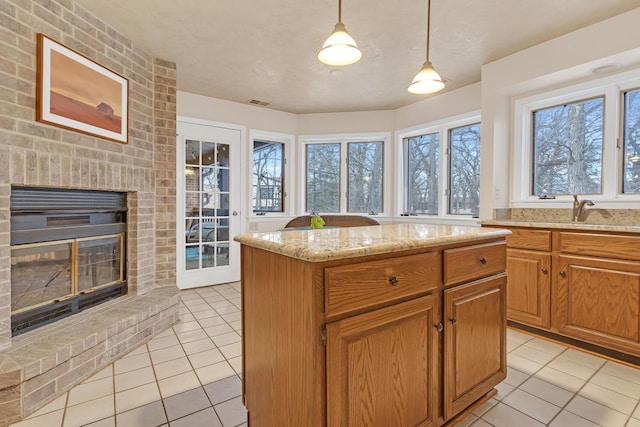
pixel 189 376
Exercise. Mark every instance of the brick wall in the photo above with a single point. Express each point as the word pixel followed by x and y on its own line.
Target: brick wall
pixel 36 154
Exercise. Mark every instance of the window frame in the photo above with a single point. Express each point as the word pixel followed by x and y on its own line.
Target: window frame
pixel 442 126
pixel 288 185
pixel 612 89
pixel 344 140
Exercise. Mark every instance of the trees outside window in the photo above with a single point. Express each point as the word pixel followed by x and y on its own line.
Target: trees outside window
pixel 364 176
pixel 268 174
pixel 421 173
pixel 464 176
pixel 568 147
pixel 631 138
pixel 323 177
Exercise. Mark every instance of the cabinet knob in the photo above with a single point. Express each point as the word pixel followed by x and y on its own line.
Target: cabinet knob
pixel 483 260
pixel 563 274
pixel 544 271
pixel 453 321
pixel 393 280
pixel 439 327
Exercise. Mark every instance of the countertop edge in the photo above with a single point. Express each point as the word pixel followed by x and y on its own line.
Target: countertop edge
pixel 563 225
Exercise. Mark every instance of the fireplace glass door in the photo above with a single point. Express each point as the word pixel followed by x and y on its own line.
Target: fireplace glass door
pixel 46 273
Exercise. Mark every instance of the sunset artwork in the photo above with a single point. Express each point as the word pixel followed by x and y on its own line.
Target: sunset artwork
pixel 78 94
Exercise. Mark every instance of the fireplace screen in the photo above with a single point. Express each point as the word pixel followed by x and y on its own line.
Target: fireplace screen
pixel 46 273
pixel 67 253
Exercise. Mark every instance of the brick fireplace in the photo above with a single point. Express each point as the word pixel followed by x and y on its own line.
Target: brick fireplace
pixel 39 365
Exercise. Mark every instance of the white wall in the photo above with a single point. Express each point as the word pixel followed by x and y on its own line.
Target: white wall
pixel 565 60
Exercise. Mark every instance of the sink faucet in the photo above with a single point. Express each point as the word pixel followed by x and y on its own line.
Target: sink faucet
pixel 578 206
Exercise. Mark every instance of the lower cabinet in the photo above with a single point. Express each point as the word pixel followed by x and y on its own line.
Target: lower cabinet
pixel 474 342
pixel 598 301
pixel 528 287
pixel 382 366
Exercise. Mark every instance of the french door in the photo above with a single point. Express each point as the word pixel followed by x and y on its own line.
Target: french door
pixel 208 195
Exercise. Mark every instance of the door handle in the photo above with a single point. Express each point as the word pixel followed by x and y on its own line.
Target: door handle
pixel 235 213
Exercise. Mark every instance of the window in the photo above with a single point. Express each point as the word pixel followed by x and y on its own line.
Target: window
pixel 464 166
pixel 567 148
pixel 356 188
pixel 365 176
pixel 441 168
pixel 421 173
pixel 579 139
pixel 323 177
pixel 268 172
pixel 631 138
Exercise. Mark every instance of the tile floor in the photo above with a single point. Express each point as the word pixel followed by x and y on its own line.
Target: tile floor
pixel 189 376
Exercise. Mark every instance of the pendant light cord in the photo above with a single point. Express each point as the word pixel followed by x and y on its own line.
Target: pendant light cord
pixel 339 10
pixel 428 24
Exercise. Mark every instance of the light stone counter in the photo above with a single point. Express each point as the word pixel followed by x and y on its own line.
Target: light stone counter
pixel 564 225
pixel 348 242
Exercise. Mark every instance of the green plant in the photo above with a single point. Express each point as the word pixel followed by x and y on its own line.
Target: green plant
pixel 316 221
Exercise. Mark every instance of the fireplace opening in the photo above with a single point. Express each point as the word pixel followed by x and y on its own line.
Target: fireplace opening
pixel 67 253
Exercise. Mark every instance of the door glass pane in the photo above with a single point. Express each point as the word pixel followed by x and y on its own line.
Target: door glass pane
pixel 567 148
pixel 364 177
pixel 323 178
pixel 223 155
pixel 207 185
pixel 192 152
pixel 421 157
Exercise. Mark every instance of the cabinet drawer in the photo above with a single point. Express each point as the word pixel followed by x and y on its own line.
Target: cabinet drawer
pixel 367 284
pixel 537 240
pixel 602 245
pixel 474 262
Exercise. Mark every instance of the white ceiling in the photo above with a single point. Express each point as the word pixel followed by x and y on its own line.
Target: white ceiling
pixel 266 50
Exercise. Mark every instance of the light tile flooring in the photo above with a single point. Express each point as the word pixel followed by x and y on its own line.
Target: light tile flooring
pixel 189 376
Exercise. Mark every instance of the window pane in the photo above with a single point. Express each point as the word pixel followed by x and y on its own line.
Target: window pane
pixel 323 177
pixel 567 148
pixel 421 180
pixel 464 181
pixel 631 137
pixel 268 167
pixel 364 176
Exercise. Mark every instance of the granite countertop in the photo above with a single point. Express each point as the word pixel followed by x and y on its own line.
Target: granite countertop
pixel 621 228
pixel 349 242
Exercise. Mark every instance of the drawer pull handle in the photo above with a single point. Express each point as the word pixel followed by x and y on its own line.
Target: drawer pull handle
pixel 483 260
pixel 453 321
pixel 563 274
pixel 439 327
pixel 544 271
pixel 393 280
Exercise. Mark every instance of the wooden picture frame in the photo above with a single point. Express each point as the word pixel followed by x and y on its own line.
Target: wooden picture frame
pixel 74 92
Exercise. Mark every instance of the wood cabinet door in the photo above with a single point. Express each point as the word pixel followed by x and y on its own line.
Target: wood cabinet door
pixel 528 287
pixel 598 301
pixel 382 366
pixel 474 341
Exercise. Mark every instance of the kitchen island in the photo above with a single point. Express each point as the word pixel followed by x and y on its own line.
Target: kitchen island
pixel 390 325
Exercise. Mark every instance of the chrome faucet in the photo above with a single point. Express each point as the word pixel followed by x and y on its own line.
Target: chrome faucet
pixel 578 206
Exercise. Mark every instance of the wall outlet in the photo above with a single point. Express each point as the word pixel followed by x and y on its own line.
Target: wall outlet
pixel 253 226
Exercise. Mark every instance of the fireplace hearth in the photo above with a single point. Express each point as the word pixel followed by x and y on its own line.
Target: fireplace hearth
pixel 67 253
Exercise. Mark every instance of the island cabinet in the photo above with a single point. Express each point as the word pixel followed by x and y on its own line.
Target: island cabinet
pixel 396 338
pixel 579 284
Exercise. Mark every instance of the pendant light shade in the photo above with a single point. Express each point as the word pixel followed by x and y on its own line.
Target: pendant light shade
pixel 427 80
pixel 340 48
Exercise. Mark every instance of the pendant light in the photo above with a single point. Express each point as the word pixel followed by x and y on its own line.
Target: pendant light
pixel 340 48
pixel 427 80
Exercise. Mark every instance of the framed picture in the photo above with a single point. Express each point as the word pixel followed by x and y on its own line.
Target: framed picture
pixel 74 92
